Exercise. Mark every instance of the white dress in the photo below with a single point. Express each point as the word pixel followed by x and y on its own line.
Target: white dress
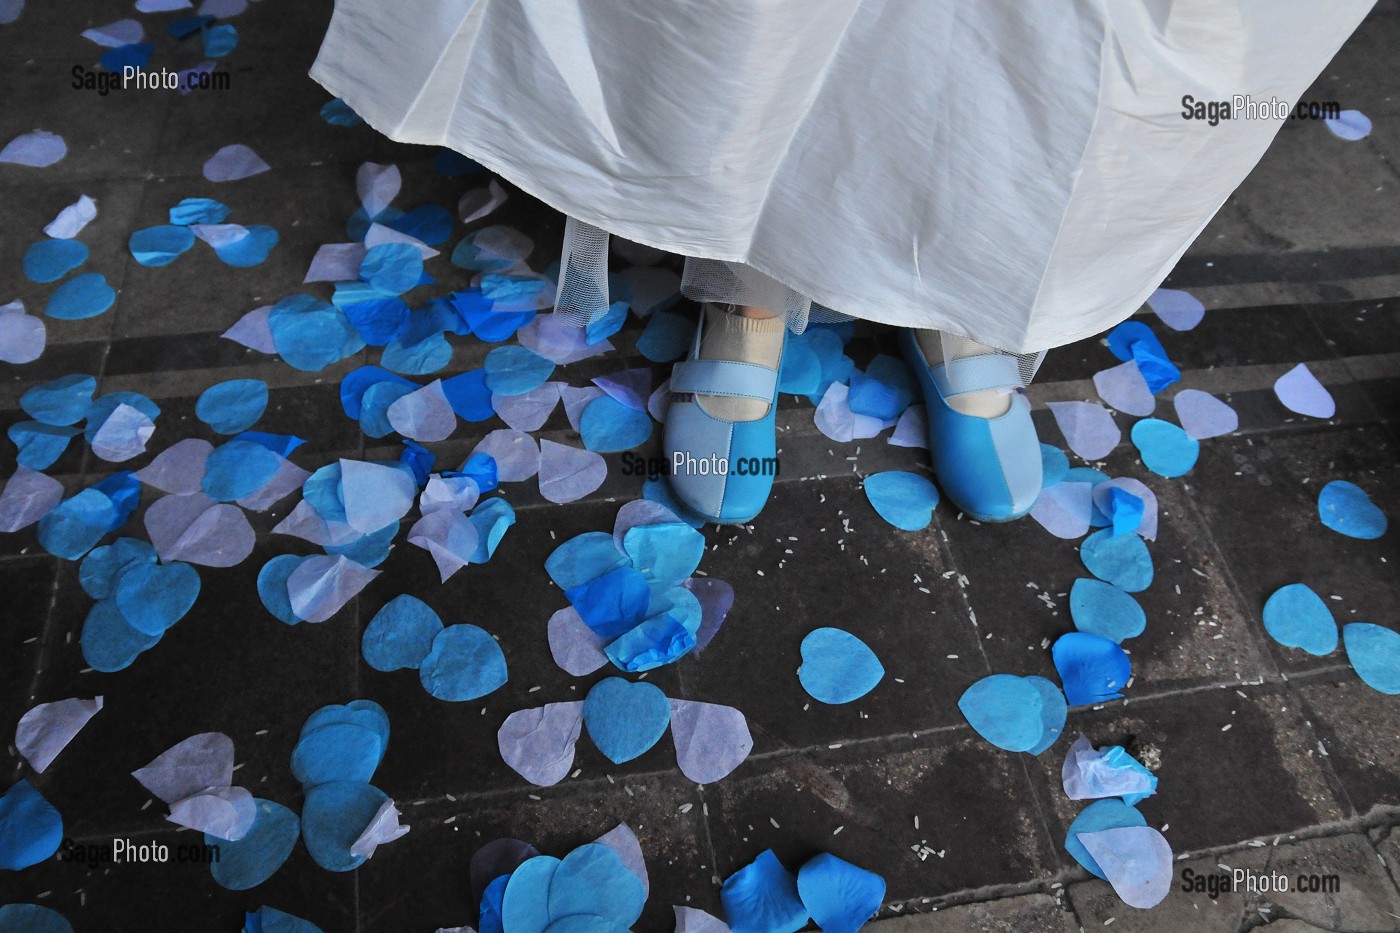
pixel 1020 174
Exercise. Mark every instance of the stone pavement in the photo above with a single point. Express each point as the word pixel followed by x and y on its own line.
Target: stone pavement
pixel 1268 759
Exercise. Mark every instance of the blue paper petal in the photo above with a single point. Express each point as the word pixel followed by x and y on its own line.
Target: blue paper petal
pixel 102 566
pixel 108 641
pixel 489 918
pixel 238 468
pixel 666 337
pixel 250 861
pixel 525 907
pixel 583 558
pixel 659 490
pixel 1166 449
pixel 51 260
pixel 250 250
pixel 1053 713
pixel 610 323
pixel 332 819
pixel 800 372
pixel 358 381
pixel 491 518
pixel 515 370
pixel 1093 669
pixel 837 667
pixel 374 406
pixel 336 751
pixel 393 268
pixel 30 827
pixel 428 355
pixel 400 634
pixel 464 663
pixel 1054 465
pixel 1097 816
pixel 160 245
pixel 310 334
pixel 607 425
pixel 82 296
pixel 220 40
pixel 76 524
pixel 612 603
pixel 1103 609
pixel 656 642
pixel 39 445
pixel 884 390
pixel 481 468
pixel 625 719
pixel 32 918
pixel 1296 617
pixel 60 401
pixel 198 211
pixel 593 881
pixel 272 920
pixel 232 406
pixel 762 897
pixel 1374 652
pixel 133 55
pixel 272 586
pixel 905 500
pixel 1122 560
pixel 1346 509
pixel 430 223
pixel 469 396
pixel 839 896
pixel 1006 710
pixel 664 552
pixel 153 597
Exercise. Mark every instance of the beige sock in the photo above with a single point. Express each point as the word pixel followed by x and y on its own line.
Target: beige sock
pixel 989 403
pixel 729 336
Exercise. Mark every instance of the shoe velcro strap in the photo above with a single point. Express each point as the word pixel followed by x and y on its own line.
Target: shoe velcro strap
pixel 725 377
pixel 977 374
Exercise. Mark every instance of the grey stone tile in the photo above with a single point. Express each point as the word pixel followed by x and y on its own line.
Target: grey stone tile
pixel 1364 899
pixel 30 205
pixel 1252 738
pixel 1359 728
pixel 1197 631
pixel 847 568
pixel 1038 912
pixel 859 802
pixel 1274 482
pixel 108 137
pixel 1349 190
pixel 228 666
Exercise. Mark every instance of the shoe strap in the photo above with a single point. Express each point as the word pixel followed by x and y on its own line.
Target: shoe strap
pixel 725 377
pixel 977 374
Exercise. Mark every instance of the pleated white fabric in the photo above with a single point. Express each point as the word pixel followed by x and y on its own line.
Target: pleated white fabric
pixel 1018 174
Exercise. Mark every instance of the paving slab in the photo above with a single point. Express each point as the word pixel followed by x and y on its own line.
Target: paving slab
pixel 1336 883
pixel 1038 912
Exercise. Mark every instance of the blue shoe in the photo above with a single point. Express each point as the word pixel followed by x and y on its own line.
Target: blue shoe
pixel 721 470
pixel 989 467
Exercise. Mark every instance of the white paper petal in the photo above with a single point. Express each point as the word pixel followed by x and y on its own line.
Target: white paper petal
pixel 321 585
pixel 424 414
pixel 29 495
pixel 1178 310
pixel 1089 429
pixel 1299 390
pixel 515 452
pixel 72 219
pixel 47 729
pixel 449 536
pixel 1065 509
pixel 252 331
pixel 1123 387
pixel 569 473
pixel 375 494
pixel 123 435
pixel 336 262
pixel 479 202
pixel 377 185
pixel 577 649
pixel 711 740
pixel 384 827
pixel 22 336
pixel 225 812
pixel 197 530
pixel 189 767
pixel 1203 416
pixel 234 162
